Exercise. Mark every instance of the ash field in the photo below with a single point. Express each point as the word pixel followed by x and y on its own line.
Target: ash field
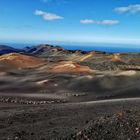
pixel 49 93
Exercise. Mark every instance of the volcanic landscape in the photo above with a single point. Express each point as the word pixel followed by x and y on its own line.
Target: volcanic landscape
pixel 49 93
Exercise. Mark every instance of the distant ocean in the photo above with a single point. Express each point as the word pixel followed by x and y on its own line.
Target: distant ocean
pixel 104 48
pixel 109 48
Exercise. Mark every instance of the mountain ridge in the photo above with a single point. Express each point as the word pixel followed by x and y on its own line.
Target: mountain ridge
pixel 4 49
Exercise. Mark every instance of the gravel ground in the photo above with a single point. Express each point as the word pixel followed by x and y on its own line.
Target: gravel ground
pixel 71 121
pixel 120 126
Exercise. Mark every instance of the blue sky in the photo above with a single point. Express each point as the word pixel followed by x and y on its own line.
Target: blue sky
pixel 70 21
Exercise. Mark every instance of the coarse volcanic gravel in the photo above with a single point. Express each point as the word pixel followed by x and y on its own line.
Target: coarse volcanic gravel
pixel 121 126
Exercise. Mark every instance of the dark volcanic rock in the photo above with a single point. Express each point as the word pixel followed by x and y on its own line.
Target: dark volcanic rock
pixel 7 49
pixel 120 126
pixel 42 49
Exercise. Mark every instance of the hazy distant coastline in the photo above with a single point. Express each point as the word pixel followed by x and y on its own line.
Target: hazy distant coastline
pixel 110 49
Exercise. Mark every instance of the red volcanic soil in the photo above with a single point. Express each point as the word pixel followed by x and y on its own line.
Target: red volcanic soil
pixel 15 60
pixel 69 67
pixel 116 57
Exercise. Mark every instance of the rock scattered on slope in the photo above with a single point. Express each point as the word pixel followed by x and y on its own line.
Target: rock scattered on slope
pixel 121 126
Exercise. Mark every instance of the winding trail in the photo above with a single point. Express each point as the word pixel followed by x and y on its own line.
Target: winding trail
pixel 110 101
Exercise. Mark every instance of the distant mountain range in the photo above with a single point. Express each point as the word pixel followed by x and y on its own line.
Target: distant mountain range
pixel 7 49
pixel 42 49
pixel 39 50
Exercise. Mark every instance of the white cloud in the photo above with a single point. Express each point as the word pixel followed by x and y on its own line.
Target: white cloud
pixel 129 9
pixel 47 16
pixel 100 22
pixel 87 21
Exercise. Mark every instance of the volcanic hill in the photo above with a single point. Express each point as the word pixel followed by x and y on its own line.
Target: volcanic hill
pixel 16 60
pixel 69 67
pixel 4 49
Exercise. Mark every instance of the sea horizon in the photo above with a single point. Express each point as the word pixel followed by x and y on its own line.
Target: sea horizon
pixel 109 48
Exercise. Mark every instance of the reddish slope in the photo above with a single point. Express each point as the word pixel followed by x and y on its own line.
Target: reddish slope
pixel 69 67
pixel 15 60
pixel 116 57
